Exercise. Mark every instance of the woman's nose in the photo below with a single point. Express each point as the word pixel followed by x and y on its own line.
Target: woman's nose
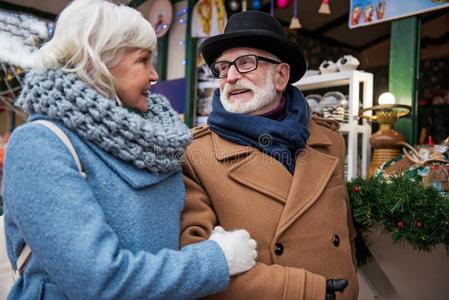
pixel 154 76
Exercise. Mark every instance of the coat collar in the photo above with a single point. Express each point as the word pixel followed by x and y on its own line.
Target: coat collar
pixel 317 136
pixel 137 178
pixel 266 175
pixel 225 149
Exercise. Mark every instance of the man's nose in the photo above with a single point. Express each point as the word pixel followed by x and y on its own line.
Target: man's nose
pixel 233 75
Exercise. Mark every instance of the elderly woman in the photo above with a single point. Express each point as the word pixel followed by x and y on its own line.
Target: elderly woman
pixel 115 233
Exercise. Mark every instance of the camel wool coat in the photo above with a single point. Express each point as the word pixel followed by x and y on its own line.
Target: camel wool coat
pixel 301 222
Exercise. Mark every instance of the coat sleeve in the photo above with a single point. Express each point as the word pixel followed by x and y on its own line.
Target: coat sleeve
pixel 56 213
pixel 261 282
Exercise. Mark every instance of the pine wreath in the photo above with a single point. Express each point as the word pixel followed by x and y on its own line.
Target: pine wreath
pixel 411 212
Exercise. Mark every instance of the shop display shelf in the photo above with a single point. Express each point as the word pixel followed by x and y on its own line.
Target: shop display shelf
pixel 360 96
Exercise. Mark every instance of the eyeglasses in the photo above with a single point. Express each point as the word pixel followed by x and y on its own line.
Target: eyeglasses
pixel 243 64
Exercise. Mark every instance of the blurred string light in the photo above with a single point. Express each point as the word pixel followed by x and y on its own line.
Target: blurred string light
pixel 181 18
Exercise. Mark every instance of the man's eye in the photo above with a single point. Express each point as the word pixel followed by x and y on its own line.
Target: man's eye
pixel 245 62
pixel 223 67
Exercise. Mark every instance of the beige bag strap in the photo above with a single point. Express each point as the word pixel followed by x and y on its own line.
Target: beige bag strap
pixel 63 137
pixel 26 251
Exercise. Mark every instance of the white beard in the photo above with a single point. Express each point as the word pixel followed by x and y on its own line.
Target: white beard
pixel 262 97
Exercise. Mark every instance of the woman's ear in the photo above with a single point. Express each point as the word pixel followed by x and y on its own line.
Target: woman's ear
pixel 282 77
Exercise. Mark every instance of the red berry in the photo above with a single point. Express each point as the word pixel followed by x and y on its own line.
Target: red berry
pixel 400 225
pixel 356 189
pixel 419 224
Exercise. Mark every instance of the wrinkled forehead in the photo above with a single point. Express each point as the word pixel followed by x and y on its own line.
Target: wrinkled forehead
pixel 233 53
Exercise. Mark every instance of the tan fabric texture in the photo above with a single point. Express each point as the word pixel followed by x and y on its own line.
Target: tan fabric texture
pixel 240 187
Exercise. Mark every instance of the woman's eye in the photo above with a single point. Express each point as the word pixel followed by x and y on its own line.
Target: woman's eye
pixel 146 60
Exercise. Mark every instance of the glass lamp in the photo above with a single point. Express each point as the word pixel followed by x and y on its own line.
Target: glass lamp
pixel 386 142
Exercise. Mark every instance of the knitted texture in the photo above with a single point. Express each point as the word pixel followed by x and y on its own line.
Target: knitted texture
pixel 154 140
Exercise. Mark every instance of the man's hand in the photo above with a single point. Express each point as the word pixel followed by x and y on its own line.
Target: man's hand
pixel 335 285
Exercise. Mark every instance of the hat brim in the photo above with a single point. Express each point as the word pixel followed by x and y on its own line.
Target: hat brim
pixel 286 50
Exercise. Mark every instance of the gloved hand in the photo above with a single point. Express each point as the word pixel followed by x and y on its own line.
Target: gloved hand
pixel 334 285
pixel 238 248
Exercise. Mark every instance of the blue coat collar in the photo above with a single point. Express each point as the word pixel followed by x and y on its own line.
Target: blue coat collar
pixel 135 177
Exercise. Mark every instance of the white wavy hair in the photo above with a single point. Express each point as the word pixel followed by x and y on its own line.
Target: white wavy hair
pixel 90 37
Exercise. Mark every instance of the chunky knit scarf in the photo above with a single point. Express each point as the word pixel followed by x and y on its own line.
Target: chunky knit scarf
pixel 154 140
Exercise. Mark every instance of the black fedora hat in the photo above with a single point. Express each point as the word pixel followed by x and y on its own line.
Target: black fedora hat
pixel 258 30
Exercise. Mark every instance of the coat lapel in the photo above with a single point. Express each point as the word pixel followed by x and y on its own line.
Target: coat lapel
pixel 312 173
pixel 135 177
pixel 254 169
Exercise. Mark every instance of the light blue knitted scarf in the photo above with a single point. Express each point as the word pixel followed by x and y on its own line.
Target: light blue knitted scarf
pixel 154 140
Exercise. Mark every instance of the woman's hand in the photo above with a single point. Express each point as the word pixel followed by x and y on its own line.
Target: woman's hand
pixel 238 248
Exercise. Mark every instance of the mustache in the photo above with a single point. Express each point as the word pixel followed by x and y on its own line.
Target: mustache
pixel 242 84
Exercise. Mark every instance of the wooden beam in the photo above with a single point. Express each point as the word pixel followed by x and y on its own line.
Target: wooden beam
pixel 404 71
pixel 343 19
pixel 190 70
pixel 162 54
pixel 312 35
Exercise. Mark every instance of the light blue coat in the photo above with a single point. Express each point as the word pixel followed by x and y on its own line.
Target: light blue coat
pixel 112 235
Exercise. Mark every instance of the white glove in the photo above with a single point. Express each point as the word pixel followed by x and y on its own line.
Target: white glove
pixel 238 248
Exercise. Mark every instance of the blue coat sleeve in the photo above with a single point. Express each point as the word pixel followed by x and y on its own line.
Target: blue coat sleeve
pixel 57 215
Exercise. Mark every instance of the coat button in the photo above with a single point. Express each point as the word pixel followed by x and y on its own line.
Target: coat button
pixel 336 240
pixel 278 249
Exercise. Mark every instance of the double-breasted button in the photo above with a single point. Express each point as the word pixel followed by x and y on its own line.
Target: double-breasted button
pixel 336 240
pixel 278 249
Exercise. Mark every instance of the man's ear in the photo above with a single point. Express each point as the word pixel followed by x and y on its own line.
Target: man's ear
pixel 282 77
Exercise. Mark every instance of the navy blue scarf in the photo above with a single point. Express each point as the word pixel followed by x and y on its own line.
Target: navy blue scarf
pixel 281 139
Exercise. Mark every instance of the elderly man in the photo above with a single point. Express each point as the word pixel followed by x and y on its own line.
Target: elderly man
pixel 265 165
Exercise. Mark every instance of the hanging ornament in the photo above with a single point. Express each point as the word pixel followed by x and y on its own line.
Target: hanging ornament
pixel 272 7
pixel 282 3
pixel 324 8
pixel 400 225
pixel 294 23
pixel 356 189
pixel 419 224
pixel 233 5
pixel 256 4
pixel 244 5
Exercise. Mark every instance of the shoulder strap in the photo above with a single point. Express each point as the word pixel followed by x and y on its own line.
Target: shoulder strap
pixel 64 138
pixel 26 251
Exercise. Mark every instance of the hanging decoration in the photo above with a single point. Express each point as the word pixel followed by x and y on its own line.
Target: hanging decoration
pixel 282 3
pixel 256 4
pixel 209 18
pixel 20 37
pixel 233 5
pixel 160 15
pixel 244 5
pixel 294 23
pixel 272 7
pixel 324 8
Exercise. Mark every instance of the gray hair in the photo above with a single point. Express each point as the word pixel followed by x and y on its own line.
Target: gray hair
pixel 90 37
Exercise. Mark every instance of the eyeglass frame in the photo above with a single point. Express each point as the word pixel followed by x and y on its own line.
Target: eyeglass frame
pixel 232 63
